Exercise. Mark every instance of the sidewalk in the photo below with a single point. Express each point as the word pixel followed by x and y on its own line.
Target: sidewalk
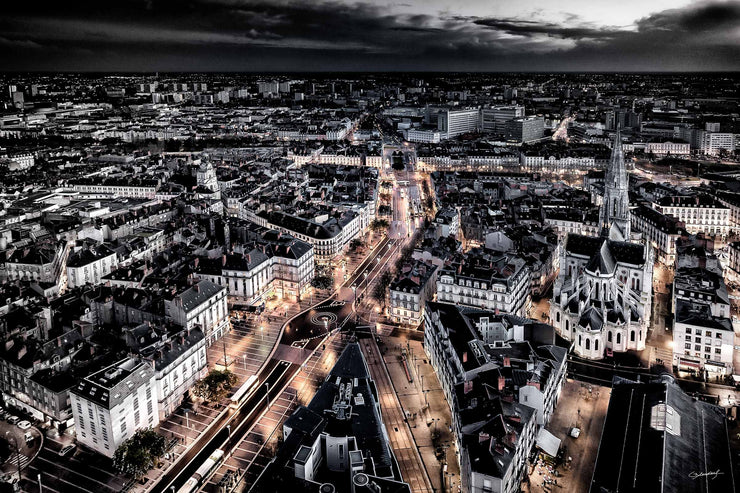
pixel 430 417
pixel 412 467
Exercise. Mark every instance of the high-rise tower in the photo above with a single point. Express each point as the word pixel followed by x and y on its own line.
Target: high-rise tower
pixel 614 216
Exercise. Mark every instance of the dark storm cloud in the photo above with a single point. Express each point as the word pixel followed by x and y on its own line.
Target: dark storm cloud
pixel 332 35
pixel 532 29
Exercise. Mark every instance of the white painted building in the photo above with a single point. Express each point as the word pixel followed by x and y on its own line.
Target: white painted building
pixel 668 148
pixel 143 190
pixel 454 122
pixel 421 135
pixel 410 291
pixel 284 269
pixel 659 230
pixel 498 283
pixel 178 358
pixel 88 265
pixel 713 143
pixel 202 305
pixel 110 405
pixel 699 213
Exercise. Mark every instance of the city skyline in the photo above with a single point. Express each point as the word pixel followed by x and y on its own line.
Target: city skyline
pixel 253 36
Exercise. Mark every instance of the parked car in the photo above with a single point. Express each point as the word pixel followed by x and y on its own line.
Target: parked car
pixel 24 425
pixel 13 420
pixel 29 437
pixel 575 432
pixel 67 449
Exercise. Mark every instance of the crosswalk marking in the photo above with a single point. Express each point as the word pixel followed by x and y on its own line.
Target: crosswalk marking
pixel 13 459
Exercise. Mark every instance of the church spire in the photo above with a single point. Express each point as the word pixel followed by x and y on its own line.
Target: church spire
pixel 614 220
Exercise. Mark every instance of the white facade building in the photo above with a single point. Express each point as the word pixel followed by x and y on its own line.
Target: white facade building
pixel 699 213
pixel 713 143
pixel 90 265
pixel 668 148
pixel 603 293
pixel 452 123
pixel 426 136
pixel 203 305
pixel 110 405
pixel 503 285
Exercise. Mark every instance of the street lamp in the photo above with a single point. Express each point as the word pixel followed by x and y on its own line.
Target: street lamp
pixel 262 333
pixel 228 427
pixel 39 478
pixel 187 419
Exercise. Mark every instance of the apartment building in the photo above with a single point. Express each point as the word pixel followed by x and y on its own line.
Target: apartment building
pixel 502 376
pixel 409 292
pixel 178 357
pixel 89 264
pixel 278 264
pixel 703 336
pixel 699 213
pixel 202 305
pixel 111 404
pixel 661 231
pixel 487 280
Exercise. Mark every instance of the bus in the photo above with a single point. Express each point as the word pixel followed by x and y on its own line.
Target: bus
pixel 244 391
pixel 203 472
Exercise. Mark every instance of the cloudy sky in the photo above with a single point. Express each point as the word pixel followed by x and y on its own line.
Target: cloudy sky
pixel 411 35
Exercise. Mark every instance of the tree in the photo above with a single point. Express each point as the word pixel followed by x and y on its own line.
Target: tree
pixel 383 282
pixel 139 453
pixel 355 244
pixel 379 225
pixel 215 385
pixel 322 281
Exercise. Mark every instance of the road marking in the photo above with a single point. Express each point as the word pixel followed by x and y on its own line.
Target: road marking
pixel 58 478
pixel 75 472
